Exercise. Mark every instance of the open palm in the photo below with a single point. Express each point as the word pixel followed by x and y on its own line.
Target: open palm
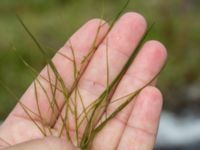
pixel 134 128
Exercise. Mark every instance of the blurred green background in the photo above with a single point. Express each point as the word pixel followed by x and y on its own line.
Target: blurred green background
pixel 177 25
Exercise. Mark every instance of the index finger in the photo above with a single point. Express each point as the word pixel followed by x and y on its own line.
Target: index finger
pixel 18 122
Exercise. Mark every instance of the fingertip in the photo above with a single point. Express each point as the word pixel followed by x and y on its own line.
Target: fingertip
pixel 152 94
pixel 158 47
pixel 135 17
pixel 93 30
pixel 97 22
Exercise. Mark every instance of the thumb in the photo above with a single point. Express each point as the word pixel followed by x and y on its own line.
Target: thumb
pixel 49 143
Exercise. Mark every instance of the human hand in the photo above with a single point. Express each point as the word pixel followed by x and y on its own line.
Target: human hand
pixel 135 127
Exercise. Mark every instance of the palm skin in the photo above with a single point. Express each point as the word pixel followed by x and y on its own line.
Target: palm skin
pixel 135 127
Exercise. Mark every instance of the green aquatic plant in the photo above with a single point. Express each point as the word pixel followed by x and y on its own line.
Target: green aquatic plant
pixel 93 117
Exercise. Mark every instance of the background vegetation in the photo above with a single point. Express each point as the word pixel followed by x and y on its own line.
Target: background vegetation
pixel 177 25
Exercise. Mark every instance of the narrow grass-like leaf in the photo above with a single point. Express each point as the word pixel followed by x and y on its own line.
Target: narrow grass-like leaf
pixel 86 140
pixel 23 107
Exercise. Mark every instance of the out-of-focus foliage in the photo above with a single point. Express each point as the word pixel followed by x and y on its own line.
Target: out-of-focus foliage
pixel 177 25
